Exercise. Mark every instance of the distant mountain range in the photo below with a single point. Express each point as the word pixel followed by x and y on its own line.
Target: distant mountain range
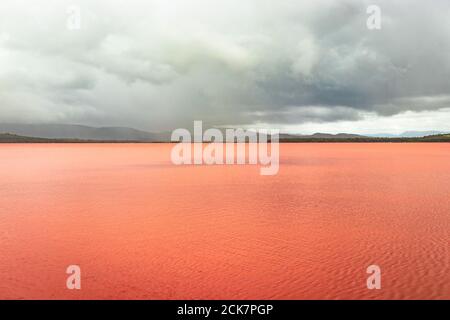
pixel 79 133
pixel 321 136
pixel 409 134
pixel 13 138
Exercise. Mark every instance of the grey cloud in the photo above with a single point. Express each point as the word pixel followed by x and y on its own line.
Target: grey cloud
pixel 315 114
pixel 158 65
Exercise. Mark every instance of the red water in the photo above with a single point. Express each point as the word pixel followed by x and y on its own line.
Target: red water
pixel 140 227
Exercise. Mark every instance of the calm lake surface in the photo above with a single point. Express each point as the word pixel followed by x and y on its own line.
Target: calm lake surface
pixel 140 227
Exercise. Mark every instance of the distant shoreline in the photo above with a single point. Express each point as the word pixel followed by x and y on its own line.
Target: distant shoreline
pixel 12 138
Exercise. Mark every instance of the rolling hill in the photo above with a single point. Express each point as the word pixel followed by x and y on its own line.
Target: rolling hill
pixel 79 132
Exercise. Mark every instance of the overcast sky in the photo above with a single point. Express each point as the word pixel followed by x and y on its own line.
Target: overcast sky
pixel 302 66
